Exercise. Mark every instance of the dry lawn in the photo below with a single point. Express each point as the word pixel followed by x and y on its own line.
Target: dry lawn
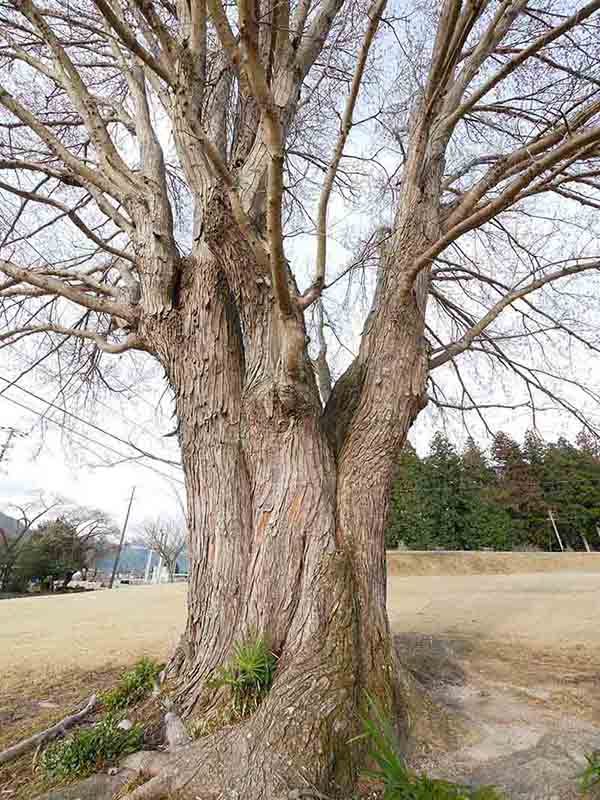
pixel 42 637
pixel 536 634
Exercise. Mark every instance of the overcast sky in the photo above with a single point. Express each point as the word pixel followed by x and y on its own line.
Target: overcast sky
pixel 87 471
pixel 44 460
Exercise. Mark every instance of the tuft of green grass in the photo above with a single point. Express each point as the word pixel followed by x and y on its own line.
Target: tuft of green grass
pixel 590 777
pixel 248 673
pixel 134 685
pixel 90 749
pixel 400 783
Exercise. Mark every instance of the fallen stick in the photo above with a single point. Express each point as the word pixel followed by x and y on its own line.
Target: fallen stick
pixel 50 733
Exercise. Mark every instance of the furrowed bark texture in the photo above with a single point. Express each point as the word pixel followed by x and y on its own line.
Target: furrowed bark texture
pixel 287 503
pixel 261 484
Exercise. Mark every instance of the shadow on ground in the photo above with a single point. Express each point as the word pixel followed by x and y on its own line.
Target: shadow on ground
pixel 511 717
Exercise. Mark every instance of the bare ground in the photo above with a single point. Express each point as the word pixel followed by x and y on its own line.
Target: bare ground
pixel 509 664
pixel 92 630
pixel 514 662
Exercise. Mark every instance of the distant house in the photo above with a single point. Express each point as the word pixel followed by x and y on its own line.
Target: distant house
pixel 133 561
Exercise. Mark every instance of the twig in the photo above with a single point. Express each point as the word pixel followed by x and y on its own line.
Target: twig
pixel 50 733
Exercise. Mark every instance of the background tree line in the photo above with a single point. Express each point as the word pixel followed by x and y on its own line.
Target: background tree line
pixel 502 499
pixel 51 550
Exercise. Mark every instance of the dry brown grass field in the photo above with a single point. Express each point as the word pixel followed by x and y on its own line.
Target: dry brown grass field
pixel 524 637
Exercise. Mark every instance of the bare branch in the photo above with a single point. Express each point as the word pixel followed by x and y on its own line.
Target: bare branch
pixel 62 289
pixel 131 342
pixel 375 13
pixel 508 299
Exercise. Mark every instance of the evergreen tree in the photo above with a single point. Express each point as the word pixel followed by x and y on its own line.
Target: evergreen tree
pixel 572 490
pixel 486 524
pixel 469 501
pixel 589 444
pixel 444 487
pixel 518 489
pixel 408 521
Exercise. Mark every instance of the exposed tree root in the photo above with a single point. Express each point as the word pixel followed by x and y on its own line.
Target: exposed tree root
pixel 274 755
pixel 288 747
pixel 42 737
pixel 96 787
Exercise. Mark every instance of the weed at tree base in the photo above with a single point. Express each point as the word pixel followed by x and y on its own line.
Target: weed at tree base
pixel 399 783
pixel 589 779
pixel 89 749
pixel 133 686
pixel 249 674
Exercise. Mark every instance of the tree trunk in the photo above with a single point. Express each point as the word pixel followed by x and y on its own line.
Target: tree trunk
pixel 287 508
pixel 265 554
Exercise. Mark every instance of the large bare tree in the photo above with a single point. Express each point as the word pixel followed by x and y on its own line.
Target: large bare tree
pixel 120 116
pixel 165 536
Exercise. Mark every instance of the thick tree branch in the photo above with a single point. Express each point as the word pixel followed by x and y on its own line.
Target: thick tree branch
pixel 75 295
pixel 509 195
pixel 274 143
pixel 128 38
pixel 315 37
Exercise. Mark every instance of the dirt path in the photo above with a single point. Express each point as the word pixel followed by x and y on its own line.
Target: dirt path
pixel 524 721
pixel 514 661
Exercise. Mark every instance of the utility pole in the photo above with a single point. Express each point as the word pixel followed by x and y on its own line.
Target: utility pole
pixel 118 556
pixel 148 565
pixel 551 515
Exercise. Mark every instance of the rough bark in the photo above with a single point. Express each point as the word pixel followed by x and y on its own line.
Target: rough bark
pixel 267 551
pixel 287 504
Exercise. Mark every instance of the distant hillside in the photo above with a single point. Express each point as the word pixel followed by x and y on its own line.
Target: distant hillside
pixel 9 524
pixel 133 560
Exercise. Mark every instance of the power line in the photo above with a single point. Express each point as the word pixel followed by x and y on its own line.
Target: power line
pixel 85 422
pixel 124 456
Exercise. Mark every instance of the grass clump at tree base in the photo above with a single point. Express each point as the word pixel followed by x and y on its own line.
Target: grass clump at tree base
pixel 248 674
pixel 134 686
pixel 104 743
pixel 589 780
pixel 400 783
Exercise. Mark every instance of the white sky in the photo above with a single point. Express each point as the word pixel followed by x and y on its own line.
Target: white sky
pixel 46 461
pixel 43 461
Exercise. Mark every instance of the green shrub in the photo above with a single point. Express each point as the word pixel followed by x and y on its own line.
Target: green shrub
pixel 133 686
pixel 590 777
pixel 400 783
pixel 90 749
pixel 248 673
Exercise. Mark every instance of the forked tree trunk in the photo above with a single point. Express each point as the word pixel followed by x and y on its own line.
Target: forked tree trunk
pixel 287 507
pixel 265 555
